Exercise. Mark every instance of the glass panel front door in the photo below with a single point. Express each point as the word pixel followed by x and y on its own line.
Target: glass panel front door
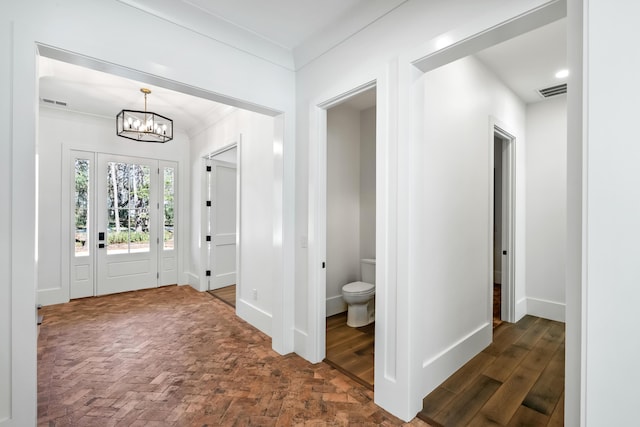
pixel 127 224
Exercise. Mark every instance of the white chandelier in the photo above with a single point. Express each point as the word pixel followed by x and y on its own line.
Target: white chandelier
pixel 144 125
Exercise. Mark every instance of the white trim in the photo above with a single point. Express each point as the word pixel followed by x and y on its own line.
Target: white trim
pixel 239 146
pixel 141 76
pixel 437 369
pixel 317 234
pixel 521 308
pixel 547 309
pixel 255 316
pixel 434 359
pixel 335 305
pixel 301 338
pixel 193 280
pixel 483 33
pixel 283 302
pixel 21 129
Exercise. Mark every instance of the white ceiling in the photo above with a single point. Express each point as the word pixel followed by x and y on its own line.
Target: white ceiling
pixel 290 33
pixel 529 62
pixel 525 63
pixel 94 92
pixel 292 16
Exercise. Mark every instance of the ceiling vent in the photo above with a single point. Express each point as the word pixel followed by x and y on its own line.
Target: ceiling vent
pixel 548 92
pixel 54 102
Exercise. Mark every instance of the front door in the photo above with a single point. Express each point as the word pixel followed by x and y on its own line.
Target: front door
pixel 127 224
pixel 123 224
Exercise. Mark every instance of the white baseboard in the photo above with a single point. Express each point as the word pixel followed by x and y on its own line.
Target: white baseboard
pixel 300 343
pixel 255 316
pixel 547 309
pixel 335 305
pixel 520 309
pixel 439 367
pixel 193 280
pixel 52 296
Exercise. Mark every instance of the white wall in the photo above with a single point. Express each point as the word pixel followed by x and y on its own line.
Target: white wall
pixel 451 227
pixel 368 183
pixel 382 52
pixel 61 131
pixel 343 203
pixel 6 261
pixel 546 207
pixel 257 251
pixel 606 136
pixel 217 68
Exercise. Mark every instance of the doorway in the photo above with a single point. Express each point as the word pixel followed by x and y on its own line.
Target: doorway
pixel 122 240
pixel 221 223
pixel 350 230
pixel 503 243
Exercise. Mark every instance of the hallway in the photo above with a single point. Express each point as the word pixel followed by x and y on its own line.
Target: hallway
pixel 174 356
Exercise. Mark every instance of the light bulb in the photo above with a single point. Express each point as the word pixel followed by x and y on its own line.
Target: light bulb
pixel 562 74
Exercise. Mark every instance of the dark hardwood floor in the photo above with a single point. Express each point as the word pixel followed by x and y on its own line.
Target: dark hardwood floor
pixel 350 350
pixel 497 304
pixel 518 380
pixel 226 294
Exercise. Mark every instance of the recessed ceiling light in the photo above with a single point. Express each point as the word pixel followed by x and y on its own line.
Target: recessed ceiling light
pixel 562 74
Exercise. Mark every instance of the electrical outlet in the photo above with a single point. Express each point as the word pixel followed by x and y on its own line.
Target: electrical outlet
pixel 255 294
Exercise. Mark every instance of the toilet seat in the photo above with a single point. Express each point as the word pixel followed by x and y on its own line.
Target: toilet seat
pixel 358 288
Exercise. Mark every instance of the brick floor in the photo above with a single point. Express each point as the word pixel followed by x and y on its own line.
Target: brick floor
pixel 176 357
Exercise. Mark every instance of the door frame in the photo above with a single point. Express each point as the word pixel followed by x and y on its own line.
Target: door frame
pixel 204 215
pixel 508 223
pixel 318 219
pixel 67 201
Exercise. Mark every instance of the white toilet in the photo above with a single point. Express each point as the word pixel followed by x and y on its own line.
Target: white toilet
pixel 359 296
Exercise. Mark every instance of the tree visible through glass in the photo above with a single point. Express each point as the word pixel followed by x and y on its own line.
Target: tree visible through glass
pixel 81 207
pixel 128 208
pixel 169 206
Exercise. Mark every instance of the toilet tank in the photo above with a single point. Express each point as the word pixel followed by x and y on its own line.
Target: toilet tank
pixel 368 270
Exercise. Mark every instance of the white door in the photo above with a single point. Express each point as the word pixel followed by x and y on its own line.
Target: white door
pixel 82 211
pixel 127 224
pixel 168 259
pixel 223 224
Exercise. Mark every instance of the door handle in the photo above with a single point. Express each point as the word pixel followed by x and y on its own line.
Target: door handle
pixel 100 245
pixel 101 235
